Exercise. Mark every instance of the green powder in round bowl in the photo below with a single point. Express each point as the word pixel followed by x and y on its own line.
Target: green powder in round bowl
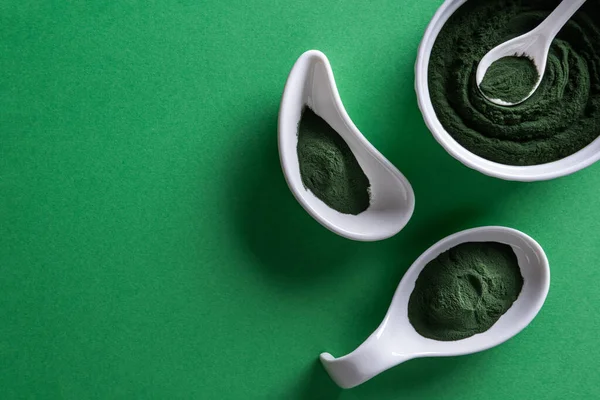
pixel 561 117
pixel 465 290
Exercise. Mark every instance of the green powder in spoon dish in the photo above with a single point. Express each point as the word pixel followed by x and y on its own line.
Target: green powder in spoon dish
pixel 510 79
pixel 465 290
pixel 559 119
pixel 328 167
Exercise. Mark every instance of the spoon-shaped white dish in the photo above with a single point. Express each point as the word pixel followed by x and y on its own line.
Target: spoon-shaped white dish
pixel 396 341
pixel 534 44
pixel 392 199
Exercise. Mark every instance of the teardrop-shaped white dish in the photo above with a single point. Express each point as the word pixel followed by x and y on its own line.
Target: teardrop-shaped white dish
pixel 311 84
pixel 396 341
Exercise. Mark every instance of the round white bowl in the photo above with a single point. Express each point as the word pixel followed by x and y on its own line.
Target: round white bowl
pixel 579 160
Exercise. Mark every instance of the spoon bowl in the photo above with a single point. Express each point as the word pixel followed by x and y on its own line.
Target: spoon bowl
pixel 392 199
pixel 535 45
pixel 523 46
pixel 396 341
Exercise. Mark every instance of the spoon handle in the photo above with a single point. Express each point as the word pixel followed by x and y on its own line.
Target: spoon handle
pixel 558 18
pixel 372 357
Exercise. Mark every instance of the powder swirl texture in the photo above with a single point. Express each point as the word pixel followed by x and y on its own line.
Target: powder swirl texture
pixel 561 117
pixel 465 290
pixel 328 167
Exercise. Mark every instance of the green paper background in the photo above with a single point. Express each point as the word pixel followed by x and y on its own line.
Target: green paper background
pixel 150 248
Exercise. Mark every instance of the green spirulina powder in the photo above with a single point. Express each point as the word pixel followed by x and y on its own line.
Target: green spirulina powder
pixel 465 290
pixel 328 167
pixel 561 117
pixel 510 79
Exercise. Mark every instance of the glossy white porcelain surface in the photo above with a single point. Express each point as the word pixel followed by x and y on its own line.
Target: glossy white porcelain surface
pixel 396 341
pixel 311 84
pixel 534 44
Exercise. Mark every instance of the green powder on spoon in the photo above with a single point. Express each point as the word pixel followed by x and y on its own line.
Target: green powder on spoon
pixel 510 79
pixel 328 167
pixel 465 290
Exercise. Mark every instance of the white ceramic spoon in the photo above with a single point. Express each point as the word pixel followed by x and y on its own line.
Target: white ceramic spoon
pixel 311 83
pixel 396 341
pixel 534 44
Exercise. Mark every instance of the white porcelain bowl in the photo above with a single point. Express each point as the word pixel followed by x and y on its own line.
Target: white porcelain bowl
pixel 311 83
pixel 583 158
pixel 397 341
